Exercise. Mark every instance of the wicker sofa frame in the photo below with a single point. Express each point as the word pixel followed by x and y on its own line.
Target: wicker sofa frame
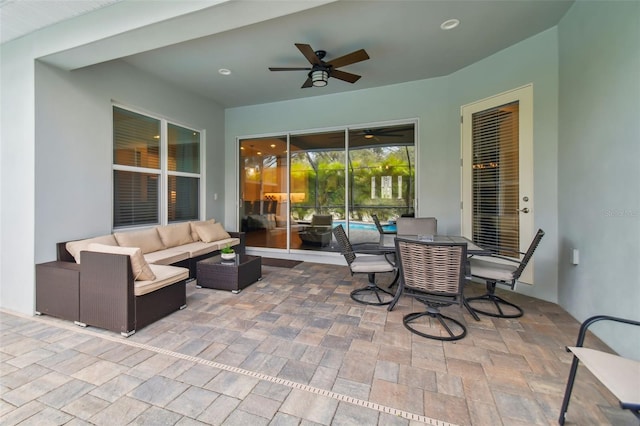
pixel 100 291
pixel 107 298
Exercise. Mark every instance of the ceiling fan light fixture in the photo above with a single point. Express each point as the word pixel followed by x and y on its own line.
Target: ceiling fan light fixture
pixel 450 24
pixel 224 71
pixel 319 78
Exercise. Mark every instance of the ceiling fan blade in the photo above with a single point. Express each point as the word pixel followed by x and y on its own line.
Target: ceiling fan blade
pixel 351 58
pixel 392 130
pixel 345 76
pixel 307 83
pixel 308 53
pixel 287 69
pixel 386 135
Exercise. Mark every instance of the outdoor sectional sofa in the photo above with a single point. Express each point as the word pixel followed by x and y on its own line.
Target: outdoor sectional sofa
pixel 127 280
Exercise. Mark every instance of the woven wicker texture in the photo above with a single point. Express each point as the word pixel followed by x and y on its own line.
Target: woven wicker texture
pixel 344 243
pixel 432 267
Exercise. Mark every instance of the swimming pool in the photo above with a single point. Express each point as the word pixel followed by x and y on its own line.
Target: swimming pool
pixel 365 226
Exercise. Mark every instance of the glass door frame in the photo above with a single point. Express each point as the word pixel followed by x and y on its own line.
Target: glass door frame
pixel 347 171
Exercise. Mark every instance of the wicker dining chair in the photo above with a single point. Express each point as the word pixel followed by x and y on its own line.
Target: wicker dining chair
pixel 369 260
pixel 417 226
pixel 434 274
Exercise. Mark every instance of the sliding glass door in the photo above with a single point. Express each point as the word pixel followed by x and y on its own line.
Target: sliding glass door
pixel 294 189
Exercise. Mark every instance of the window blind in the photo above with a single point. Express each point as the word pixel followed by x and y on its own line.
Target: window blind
pixel 495 177
pixel 136 139
pixel 183 198
pixel 135 199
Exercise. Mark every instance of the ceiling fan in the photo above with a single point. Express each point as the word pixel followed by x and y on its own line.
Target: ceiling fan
pixel 393 132
pixel 320 71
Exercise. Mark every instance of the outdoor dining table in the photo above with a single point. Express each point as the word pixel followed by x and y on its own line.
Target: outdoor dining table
pixel 388 241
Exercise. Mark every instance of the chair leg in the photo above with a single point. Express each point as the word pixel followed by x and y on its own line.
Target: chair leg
pixel 442 319
pixel 567 392
pixel 399 290
pixel 497 301
pixel 365 294
pixel 470 309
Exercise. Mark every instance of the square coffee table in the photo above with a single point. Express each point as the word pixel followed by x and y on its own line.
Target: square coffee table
pixel 231 275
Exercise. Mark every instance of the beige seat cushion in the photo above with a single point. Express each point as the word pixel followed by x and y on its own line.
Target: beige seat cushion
pixel 199 248
pixel 75 247
pixel 371 264
pixel 167 256
pixel 210 232
pixel 147 239
pixel 194 233
pixel 165 275
pixel 139 266
pixel 175 234
pixel 227 242
pixel 620 375
pixel 492 270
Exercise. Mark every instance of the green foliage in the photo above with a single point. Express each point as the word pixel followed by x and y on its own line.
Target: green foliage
pixel 323 173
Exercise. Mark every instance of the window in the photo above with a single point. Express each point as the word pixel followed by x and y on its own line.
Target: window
pixel 156 170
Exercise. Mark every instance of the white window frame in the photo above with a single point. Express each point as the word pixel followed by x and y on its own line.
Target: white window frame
pixel 163 172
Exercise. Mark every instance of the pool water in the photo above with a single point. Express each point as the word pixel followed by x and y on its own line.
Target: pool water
pixel 363 226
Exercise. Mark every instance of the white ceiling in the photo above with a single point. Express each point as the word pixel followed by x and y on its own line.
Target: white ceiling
pixel 402 37
pixel 20 17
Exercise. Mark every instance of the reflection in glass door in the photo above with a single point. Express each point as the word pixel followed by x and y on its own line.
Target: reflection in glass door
pixel 317 187
pixel 292 199
pixel 381 178
pixel 263 191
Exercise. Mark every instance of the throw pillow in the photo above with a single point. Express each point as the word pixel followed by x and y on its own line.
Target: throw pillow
pixel 175 235
pixel 194 233
pixel 140 267
pixel 209 232
pixel 147 239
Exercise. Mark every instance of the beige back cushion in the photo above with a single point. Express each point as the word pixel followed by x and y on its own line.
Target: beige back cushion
pixel 75 247
pixel 209 232
pixel 194 233
pixel 140 267
pixel 148 240
pixel 175 235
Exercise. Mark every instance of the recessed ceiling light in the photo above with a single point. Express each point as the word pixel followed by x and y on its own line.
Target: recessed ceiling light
pixel 450 24
pixel 224 71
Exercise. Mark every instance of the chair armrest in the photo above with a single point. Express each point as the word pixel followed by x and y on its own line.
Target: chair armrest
pixel 589 321
pixel 62 254
pixel 242 236
pixel 107 298
pixel 500 248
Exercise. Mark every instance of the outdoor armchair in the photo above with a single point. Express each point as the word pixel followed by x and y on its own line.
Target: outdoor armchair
pixel 500 273
pixel 620 375
pixel 371 261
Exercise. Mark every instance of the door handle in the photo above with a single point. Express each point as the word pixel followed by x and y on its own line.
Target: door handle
pixel 525 210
